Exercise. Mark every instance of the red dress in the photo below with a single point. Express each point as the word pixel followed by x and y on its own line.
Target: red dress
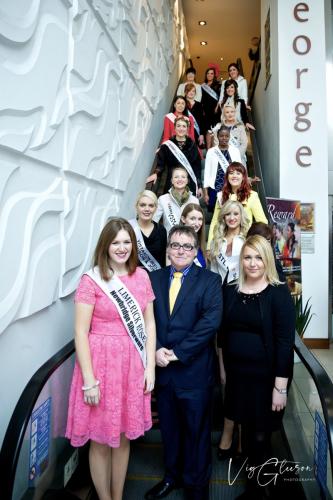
pixel 123 408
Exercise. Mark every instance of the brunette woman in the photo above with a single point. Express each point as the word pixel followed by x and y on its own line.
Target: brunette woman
pixel 195 109
pixel 235 75
pixel 291 248
pixel 179 110
pixel 257 343
pixel 113 359
pixel 151 237
pixel 237 187
pixel 190 75
pixel 171 205
pixel 194 216
pixel 231 97
pixel 179 150
pixel 210 97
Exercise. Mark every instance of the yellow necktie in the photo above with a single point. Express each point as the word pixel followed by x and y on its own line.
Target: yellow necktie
pixel 176 283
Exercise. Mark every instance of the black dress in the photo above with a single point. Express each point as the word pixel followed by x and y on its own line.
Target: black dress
pixel 257 338
pixel 165 158
pixel 156 243
pixel 209 105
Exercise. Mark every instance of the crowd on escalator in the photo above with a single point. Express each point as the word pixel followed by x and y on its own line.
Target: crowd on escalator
pixel 166 307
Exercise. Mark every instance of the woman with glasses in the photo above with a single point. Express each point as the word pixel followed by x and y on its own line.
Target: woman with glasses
pixel 171 204
pixel 114 374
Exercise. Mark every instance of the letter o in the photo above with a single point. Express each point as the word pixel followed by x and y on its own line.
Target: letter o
pixel 299 50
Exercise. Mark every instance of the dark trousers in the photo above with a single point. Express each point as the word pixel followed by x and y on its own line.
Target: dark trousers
pixel 185 423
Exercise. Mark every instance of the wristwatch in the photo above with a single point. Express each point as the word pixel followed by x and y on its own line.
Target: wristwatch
pixel 281 391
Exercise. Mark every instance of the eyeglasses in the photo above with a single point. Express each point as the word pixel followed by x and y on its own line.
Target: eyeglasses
pixel 177 246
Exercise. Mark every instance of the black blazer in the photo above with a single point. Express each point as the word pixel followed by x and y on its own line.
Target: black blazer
pixel 277 311
pixel 190 329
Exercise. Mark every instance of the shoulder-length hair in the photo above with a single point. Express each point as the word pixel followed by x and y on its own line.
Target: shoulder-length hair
pixel 260 245
pixel 202 231
pixel 244 190
pixel 188 87
pixel 107 236
pixel 227 84
pixel 221 228
pixel 185 112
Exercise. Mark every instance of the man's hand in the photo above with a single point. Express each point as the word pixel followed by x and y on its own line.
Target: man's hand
pixel 162 357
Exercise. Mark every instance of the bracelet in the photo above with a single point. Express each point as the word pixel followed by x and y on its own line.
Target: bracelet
pixel 88 387
pixel 281 391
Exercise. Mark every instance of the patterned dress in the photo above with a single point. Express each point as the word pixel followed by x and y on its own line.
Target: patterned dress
pixel 123 408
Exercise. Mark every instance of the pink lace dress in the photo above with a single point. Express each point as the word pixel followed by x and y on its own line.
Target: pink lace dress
pixel 123 407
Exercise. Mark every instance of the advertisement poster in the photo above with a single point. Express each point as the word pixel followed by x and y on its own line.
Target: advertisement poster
pixel 307 227
pixel 285 216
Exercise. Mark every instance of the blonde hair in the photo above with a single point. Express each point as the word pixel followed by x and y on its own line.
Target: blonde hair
pixel 221 228
pixel 260 245
pixel 223 117
pixel 149 194
pixel 202 231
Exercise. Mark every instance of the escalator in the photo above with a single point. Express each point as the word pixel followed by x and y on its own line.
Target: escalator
pixel 37 461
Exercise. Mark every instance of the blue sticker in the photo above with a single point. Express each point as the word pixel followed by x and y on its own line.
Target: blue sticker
pixel 320 452
pixel 39 440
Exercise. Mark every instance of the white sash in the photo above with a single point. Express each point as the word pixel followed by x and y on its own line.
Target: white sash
pixel 182 159
pixel 210 91
pixel 229 265
pixel 196 262
pixel 144 255
pixel 233 141
pixel 171 117
pixel 127 307
pixel 221 159
pixel 196 125
pixel 170 215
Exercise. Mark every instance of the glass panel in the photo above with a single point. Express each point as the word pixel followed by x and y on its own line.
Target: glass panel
pixel 45 450
pixel 299 424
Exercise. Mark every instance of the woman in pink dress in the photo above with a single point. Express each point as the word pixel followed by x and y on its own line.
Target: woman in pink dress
pixel 115 369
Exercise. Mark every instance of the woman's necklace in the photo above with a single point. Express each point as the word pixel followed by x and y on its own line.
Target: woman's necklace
pixel 180 143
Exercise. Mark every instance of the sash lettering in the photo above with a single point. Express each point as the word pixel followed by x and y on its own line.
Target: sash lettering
pixel 171 216
pixel 210 91
pixel 221 158
pixel 196 125
pixel 145 257
pixel 182 159
pixel 127 307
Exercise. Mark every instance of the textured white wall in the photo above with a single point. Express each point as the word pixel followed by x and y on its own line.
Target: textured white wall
pixel 84 86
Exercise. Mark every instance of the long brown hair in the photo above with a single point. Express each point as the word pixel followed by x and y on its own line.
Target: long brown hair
pixel 202 231
pixel 107 236
pixel 244 190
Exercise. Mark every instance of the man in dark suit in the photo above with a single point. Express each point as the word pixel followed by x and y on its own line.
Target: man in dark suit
pixel 188 311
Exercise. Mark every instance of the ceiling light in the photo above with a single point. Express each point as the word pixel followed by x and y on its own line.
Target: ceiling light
pixel 202 23
pixel 203 42
pixel 221 58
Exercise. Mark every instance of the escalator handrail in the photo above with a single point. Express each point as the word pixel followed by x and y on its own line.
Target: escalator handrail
pixel 324 387
pixel 13 440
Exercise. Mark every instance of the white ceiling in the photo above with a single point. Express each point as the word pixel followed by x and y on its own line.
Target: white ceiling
pixel 230 26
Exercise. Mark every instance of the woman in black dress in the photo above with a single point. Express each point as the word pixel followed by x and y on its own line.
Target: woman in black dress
pixel 210 97
pixel 151 237
pixel 172 153
pixel 257 338
pixel 231 98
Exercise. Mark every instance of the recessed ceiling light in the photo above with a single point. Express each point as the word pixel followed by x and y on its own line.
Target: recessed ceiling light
pixel 203 42
pixel 221 58
pixel 202 23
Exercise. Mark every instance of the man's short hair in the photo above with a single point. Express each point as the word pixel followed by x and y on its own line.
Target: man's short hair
pixel 190 70
pixel 187 230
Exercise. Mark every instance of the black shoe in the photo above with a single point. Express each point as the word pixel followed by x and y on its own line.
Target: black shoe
pixel 224 454
pixel 160 490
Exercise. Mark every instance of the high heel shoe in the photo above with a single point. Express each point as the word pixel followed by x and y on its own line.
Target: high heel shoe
pixel 224 453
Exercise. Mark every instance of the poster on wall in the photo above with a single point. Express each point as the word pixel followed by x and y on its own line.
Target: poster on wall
pixel 307 227
pixel 267 49
pixel 285 217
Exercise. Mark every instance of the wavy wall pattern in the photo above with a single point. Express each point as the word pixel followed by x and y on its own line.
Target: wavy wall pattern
pixel 80 83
